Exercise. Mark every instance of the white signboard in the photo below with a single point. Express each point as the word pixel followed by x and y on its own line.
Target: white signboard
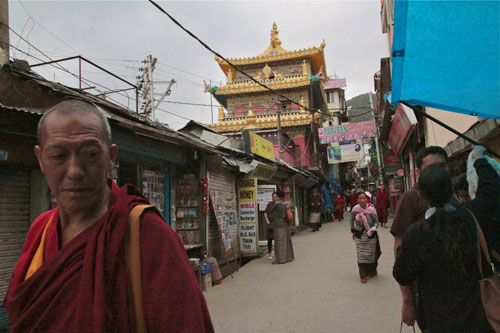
pixel 247 212
pixel 247 197
pixel 248 238
pixel 265 195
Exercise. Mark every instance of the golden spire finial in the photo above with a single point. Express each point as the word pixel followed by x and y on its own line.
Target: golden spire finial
pixel 221 114
pixel 275 41
pixel 250 115
pixel 304 68
pixel 250 110
pixel 302 103
pixel 323 44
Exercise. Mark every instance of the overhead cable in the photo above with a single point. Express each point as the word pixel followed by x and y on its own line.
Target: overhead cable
pixel 227 61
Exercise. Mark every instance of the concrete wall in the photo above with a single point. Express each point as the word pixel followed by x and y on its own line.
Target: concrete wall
pixel 305 156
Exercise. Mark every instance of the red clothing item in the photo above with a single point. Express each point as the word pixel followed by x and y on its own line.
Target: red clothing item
pixel 382 199
pixel 339 208
pixel 83 286
pixel 353 201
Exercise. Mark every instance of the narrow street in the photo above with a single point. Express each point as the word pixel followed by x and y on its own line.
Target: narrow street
pixel 318 292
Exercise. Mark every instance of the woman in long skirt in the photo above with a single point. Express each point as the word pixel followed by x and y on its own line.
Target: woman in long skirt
pixel 283 250
pixel 364 224
pixel 269 222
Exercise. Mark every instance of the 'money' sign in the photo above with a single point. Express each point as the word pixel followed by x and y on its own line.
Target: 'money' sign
pixel 247 198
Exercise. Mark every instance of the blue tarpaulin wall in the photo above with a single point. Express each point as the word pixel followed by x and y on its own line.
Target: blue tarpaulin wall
pixel 445 55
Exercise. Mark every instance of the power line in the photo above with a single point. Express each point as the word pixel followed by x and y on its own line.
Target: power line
pixel 46 29
pixel 109 98
pixel 227 61
pixel 187 103
pixel 83 79
pixel 184 71
pixel 86 81
pixel 118 103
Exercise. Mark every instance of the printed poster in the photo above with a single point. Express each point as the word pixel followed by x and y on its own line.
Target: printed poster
pixel 247 203
pixel 345 153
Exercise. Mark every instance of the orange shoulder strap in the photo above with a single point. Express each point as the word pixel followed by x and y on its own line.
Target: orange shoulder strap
pixel 134 270
pixel 39 257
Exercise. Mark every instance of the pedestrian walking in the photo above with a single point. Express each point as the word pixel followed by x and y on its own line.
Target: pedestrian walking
pixel 339 208
pixel 73 274
pixel 440 252
pixel 283 249
pixel 410 209
pixel 269 224
pixel 315 210
pixel 364 224
pixel 382 204
pixel 353 199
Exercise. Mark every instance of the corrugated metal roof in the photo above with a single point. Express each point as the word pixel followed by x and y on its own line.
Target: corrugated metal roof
pixel 113 111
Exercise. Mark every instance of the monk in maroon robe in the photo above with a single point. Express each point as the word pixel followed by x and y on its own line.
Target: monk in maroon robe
pixel 72 276
pixel 339 208
pixel 382 205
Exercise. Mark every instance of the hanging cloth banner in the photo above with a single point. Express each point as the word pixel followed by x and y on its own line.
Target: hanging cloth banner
pixel 445 55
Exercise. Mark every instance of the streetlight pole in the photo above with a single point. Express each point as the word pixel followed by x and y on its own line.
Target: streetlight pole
pixel 278 114
pixel 377 142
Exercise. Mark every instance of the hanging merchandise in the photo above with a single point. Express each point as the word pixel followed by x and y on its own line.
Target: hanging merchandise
pixel 153 188
pixel 204 190
pixel 188 214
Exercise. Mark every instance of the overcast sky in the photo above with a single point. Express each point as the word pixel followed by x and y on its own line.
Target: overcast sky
pixel 119 34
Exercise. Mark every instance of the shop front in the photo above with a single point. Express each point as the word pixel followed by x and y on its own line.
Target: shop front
pixel 403 140
pixel 222 233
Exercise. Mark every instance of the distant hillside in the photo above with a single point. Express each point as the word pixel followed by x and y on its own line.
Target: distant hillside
pixel 359 108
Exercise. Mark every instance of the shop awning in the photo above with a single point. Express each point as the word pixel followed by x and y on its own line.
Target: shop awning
pixel 445 55
pixel 253 168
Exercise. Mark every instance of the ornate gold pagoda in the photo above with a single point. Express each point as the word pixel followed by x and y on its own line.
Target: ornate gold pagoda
pixel 251 106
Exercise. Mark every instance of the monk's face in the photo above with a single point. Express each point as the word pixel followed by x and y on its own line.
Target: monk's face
pixel 76 161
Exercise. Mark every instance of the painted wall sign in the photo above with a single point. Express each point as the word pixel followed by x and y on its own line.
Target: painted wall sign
pixel 335 83
pixel 347 131
pixel 402 126
pixel 257 145
pixel 247 202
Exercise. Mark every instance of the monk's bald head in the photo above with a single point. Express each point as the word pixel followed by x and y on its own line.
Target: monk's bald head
pixel 76 107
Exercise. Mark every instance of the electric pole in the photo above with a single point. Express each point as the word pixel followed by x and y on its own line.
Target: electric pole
pixel 146 84
pixel 278 114
pixel 377 143
pixel 4 32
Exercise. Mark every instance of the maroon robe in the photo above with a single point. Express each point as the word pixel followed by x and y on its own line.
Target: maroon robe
pixel 83 286
pixel 382 205
pixel 339 209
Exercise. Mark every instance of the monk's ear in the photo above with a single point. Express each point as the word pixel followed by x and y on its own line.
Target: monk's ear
pixel 113 154
pixel 38 153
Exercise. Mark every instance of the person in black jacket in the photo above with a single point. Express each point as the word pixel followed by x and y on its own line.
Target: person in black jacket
pixel 439 252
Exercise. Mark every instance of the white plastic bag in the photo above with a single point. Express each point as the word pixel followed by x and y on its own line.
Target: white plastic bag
pixel 472 177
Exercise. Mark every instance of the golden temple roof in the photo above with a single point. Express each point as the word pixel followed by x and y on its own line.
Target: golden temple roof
pixel 276 84
pixel 275 52
pixel 262 122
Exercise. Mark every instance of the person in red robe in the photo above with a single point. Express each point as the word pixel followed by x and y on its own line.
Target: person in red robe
pixel 339 207
pixel 353 200
pixel 72 274
pixel 382 205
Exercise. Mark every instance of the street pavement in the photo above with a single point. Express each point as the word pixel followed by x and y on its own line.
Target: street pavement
pixel 318 292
